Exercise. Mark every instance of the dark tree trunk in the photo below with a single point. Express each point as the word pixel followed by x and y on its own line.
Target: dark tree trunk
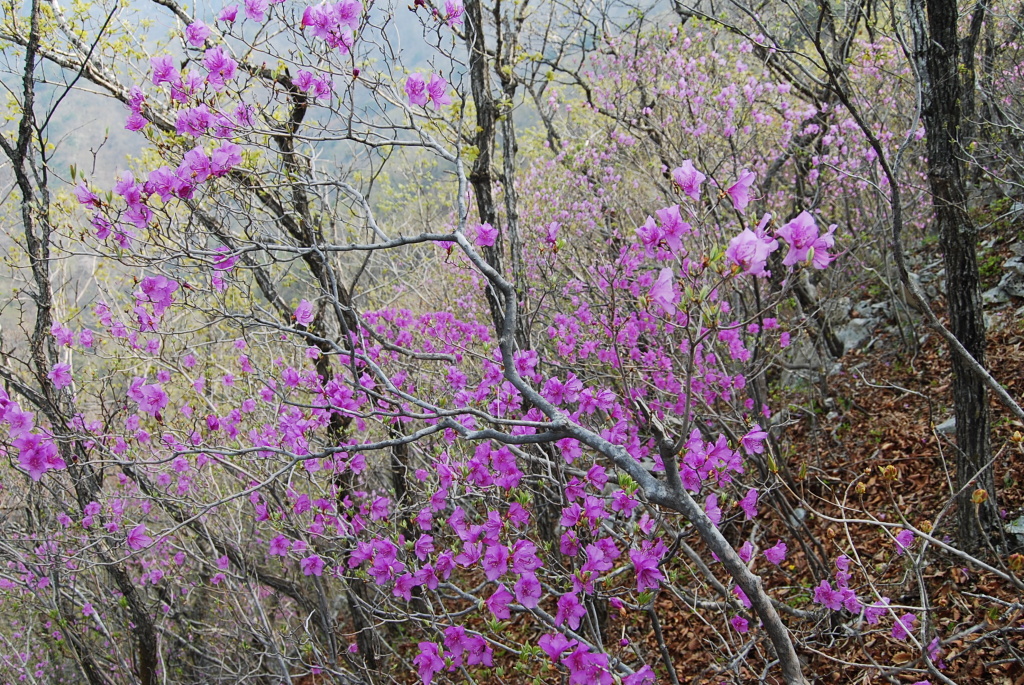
pixel 939 52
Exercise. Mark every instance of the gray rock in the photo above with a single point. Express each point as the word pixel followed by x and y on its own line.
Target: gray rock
pixel 947 427
pixel 1016 528
pixel 855 333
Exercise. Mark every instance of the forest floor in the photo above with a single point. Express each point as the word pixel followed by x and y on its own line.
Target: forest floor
pixel 884 410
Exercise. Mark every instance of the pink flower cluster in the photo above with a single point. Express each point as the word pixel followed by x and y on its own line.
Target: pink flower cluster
pixel 334 23
pixel 420 91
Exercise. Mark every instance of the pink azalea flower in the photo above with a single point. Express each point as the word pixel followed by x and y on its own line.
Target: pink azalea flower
pixel 37 455
pixel 555 645
pixel 645 563
pixel 437 89
pixel 197 33
pixel 135 122
pixel 875 611
pixel 570 610
pixel 740 624
pixel 416 90
pixel 749 504
pixel 662 293
pixel 137 538
pixel 673 228
pixel 645 676
pixel 750 251
pixel 904 539
pixel 498 603
pixel 528 590
pixel 740 190
pixel 824 594
pixel 486 235
pixel 428 662
pixel 688 179
pixel 453 10
pixel 777 554
pixel 304 313
pixel 752 441
pixel 60 374
pixel 220 65
pixel 712 509
pixel 804 242
pixel 650 233
pixel 256 9
pixel 164 70
pixel 85 196
pixel 495 561
pixel 279 546
pixel 228 14
pixel 312 565
pixel 224 158
pixel 903 625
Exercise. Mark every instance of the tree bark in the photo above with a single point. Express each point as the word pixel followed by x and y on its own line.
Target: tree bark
pixel 938 53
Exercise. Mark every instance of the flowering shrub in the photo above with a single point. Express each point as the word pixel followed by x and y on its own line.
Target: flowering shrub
pixel 301 426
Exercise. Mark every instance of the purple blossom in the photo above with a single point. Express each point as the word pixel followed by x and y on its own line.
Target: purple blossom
pixel 428 662
pixel 749 251
pixel 645 563
pixel 749 504
pixel 60 374
pixel 904 540
pixel 312 565
pixel 777 554
pixel 824 594
pixel 224 158
pixel 164 70
pixel 486 235
pixel 645 676
pixel 334 23
pixel 498 603
pixel 416 90
pixel 874 612
pixel 256 9
pixel 570 610
pixel 673 228
pixel 304 313
pixel 279 546
pixel 37 454
pixel 528 590
pixel 712 509
pixel 228 14
pixel 158 290
pixel 555 645
pixel 903 626
pixel 650 233
pixel 437 89
pixel 197 33
pixel 221 67
pixel 135 122
pixel 193 121
pixel 688 179
pixel 752 441
pixel 85 196
pixel 740 624
pixel 195 166
pixel 804 242
pixel 137 538
pixel 662 292
pixel 453 11
pixel 740 190
pixel 495 561
pixel 524 557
